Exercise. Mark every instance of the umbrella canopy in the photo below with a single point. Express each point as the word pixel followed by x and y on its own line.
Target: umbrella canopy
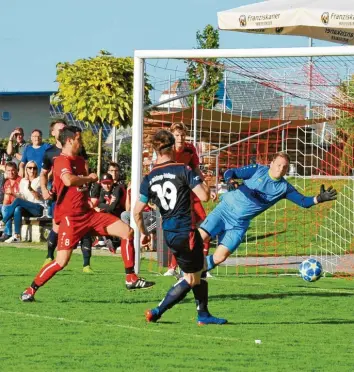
pixel 319 19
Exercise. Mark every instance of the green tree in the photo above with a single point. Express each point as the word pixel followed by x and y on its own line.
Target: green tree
pixel 346 125
pixel 207 39
pixel 98 90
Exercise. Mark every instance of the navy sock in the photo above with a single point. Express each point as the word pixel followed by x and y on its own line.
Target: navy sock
pixel 86 245
pixel 176 294
pixel 52 243
pixel 210 262
pixel 200 292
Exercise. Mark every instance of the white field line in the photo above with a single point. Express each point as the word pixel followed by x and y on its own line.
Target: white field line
pixel 139 329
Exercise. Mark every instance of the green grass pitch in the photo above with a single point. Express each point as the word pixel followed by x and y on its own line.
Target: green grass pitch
pixel 92 323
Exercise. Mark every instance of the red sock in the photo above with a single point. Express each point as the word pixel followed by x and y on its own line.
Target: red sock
pixel 128 252
pixel 173 262
pixel 206 247
pixel 47 272
pixel 131 278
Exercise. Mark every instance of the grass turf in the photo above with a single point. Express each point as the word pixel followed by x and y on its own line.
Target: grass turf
pixel 89 322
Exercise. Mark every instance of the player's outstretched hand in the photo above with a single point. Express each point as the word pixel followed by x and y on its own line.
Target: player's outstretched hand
pixel 93 177
pixel 232 184
pixel 326 195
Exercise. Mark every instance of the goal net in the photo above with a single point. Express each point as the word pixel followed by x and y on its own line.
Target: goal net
pixel 298 100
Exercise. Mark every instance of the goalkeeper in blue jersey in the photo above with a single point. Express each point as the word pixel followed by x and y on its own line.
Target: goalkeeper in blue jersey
pixel 263 186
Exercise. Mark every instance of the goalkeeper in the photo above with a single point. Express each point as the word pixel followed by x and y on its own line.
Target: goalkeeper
pixel 263 187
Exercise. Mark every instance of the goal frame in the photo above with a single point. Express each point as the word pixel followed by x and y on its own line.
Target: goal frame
pixel 138 95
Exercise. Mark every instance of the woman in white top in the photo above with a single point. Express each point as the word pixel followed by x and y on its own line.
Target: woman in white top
pixel 29 201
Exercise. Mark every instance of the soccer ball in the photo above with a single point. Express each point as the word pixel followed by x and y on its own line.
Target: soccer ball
pixel 310 270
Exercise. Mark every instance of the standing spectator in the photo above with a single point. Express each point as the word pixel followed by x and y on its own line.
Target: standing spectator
pixel 16 145
pixel 34 152
pixel 11 189
pixel 28 200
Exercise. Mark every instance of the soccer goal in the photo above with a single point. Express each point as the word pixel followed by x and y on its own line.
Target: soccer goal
pixel 261 101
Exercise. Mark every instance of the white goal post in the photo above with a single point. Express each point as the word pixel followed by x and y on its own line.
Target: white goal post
pixel 140 56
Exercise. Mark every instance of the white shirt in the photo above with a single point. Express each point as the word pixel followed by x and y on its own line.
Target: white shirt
pixel 28 195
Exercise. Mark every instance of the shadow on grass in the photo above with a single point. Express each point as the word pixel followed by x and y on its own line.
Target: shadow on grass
pixel 263 236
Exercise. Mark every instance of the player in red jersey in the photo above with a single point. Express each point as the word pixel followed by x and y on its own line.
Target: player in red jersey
pixel 186 153
pixel 75 217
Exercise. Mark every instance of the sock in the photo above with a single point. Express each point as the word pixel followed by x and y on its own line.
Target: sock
pixel 46 273
pixel 86 245
pixel 176 294
pixel 200 292
pixel 206 246
pixel 210 262
pixel 173 262
pixel 128 252
pixel 52 243
pixel 131 277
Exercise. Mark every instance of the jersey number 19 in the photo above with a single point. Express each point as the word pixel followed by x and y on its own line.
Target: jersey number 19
pixel 167 193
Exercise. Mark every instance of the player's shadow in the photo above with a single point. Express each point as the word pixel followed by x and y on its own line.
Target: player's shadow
pixel 252 237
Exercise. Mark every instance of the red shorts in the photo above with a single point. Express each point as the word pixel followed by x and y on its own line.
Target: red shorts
pixel 73 228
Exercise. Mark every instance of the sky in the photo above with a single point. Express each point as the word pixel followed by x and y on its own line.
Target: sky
pixel 36 35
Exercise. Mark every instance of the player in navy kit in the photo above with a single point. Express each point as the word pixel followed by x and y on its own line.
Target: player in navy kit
pixel 262 187
pixel 169 185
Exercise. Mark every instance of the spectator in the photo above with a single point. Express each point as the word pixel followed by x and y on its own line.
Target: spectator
pixel 29 200
pixel 16 145
pixel 34 152
pixel 111 195
pixel 11 189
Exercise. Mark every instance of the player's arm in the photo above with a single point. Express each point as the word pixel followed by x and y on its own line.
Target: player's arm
pixel 200 188
pixel 308 201
pixel 70 179
pixel 243 173
pixel 139 207
pixel 43 177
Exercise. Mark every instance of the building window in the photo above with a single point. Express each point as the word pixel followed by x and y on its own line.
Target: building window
pixel 6 116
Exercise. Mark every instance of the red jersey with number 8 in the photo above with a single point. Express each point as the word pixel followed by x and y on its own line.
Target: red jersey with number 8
pixel 71 200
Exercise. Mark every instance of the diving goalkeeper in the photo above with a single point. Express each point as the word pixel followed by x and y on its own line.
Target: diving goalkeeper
pixel 263 186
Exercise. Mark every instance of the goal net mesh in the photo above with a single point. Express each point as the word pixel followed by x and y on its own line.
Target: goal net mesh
pixel 259 106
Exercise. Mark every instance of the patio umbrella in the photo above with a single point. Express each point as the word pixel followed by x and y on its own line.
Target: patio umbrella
pixel 319 19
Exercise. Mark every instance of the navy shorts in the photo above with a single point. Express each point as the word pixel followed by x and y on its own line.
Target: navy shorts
pixel 187 247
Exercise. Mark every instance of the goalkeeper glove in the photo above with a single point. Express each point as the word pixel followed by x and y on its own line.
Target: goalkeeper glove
pixel 232 184
pixel 326 195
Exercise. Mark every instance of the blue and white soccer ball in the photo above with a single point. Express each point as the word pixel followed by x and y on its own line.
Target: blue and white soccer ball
pixel 310 270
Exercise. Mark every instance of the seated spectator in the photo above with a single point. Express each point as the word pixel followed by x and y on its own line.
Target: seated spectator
pixel 16 145
pixel 34 152
pixel 112 196
pixel 11 189
pixel 111 199
pixel 29 200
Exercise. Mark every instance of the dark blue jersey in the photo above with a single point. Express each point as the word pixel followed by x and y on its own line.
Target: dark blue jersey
pixel 169 186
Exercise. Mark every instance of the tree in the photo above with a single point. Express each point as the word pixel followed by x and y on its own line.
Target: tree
pixel 208 39
pixel 98 90
pixel 346 125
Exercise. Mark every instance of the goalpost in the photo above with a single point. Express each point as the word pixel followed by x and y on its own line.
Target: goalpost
pixel 270 100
